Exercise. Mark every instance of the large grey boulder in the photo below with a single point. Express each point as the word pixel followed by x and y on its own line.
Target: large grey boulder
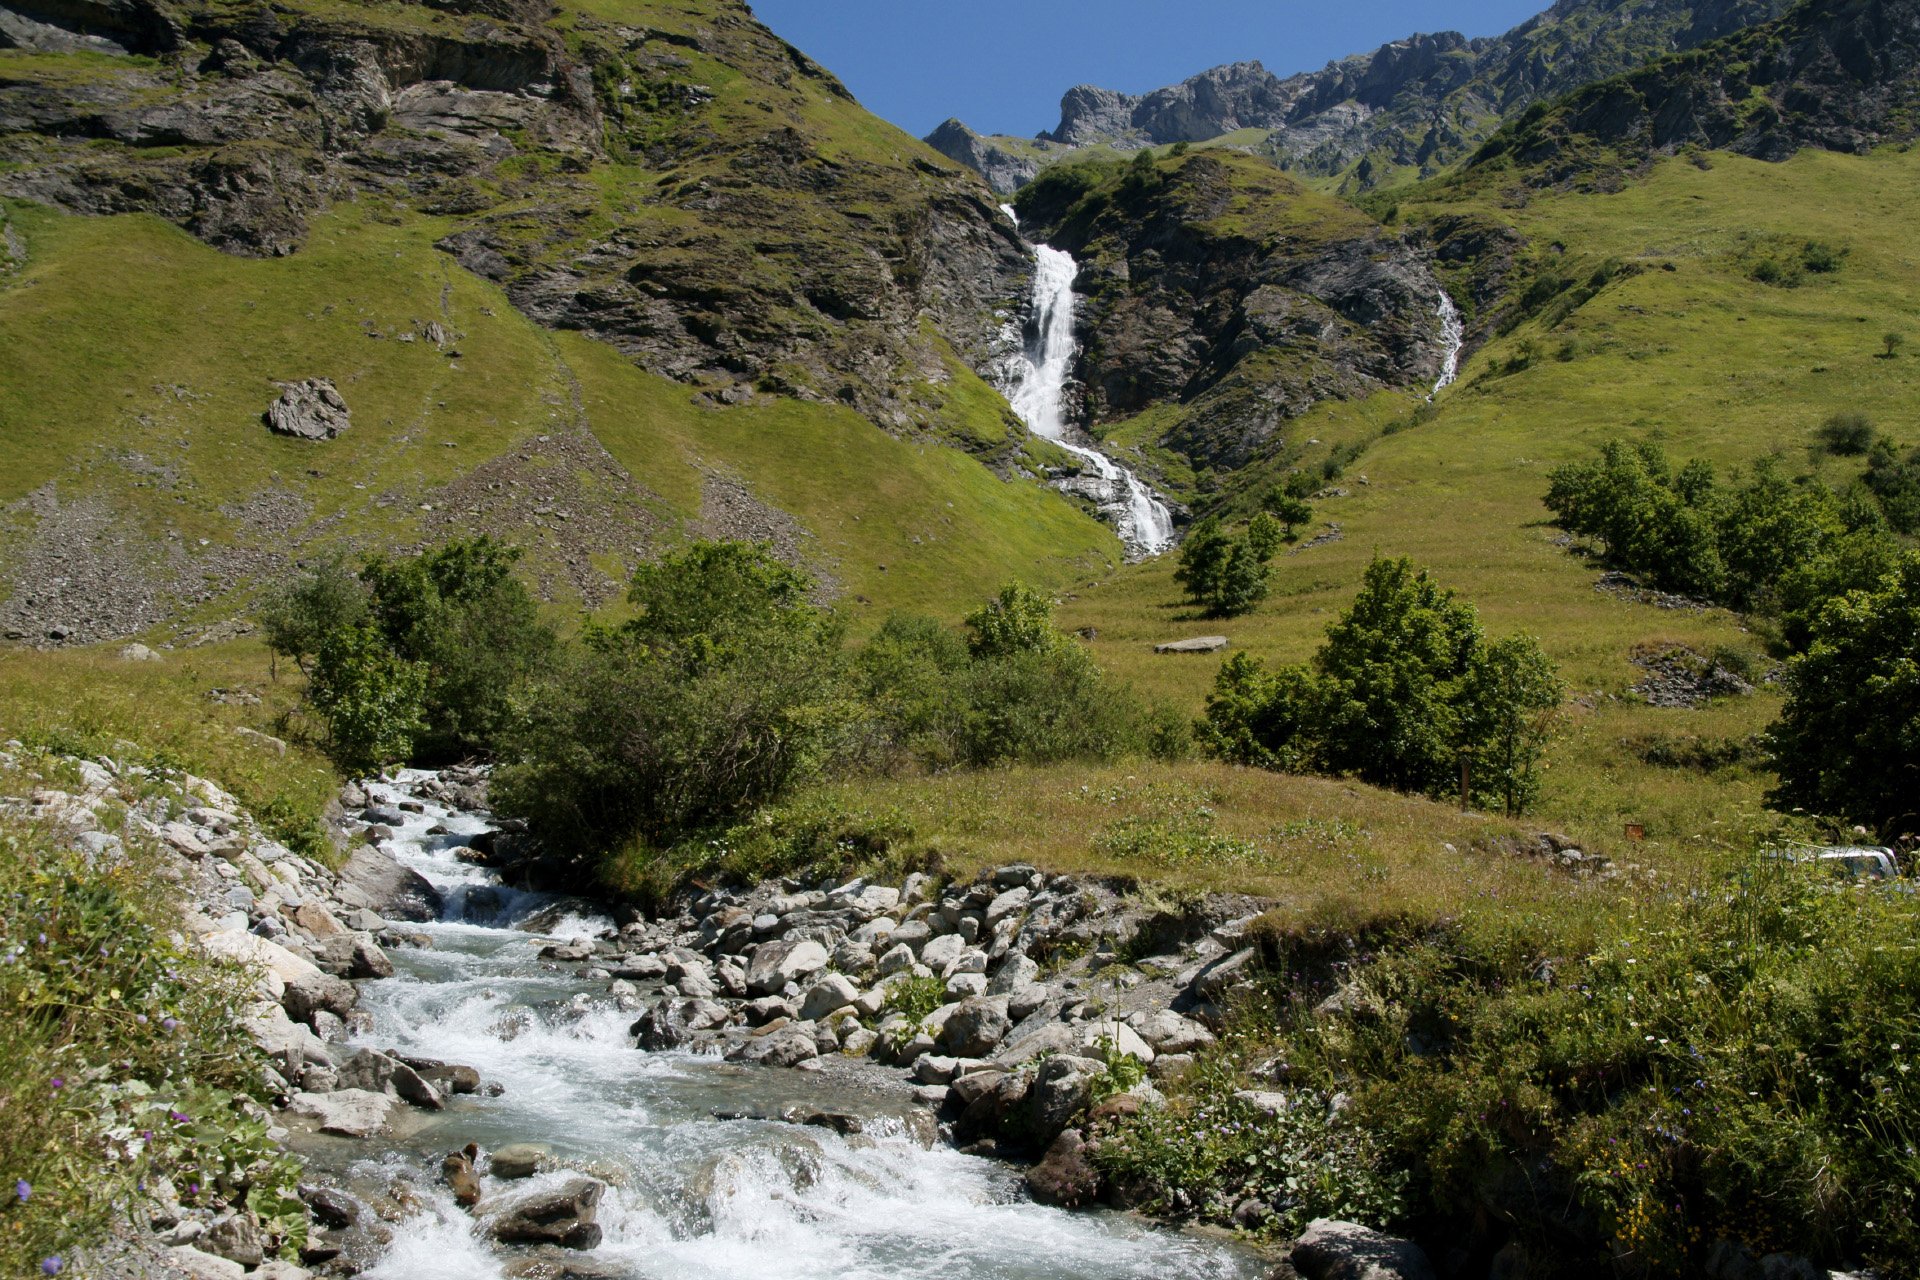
pixel 1335 1250
pixel 826 996
pixel 1168 1032
pixel 382 885
pixel 1061 1090
pixel 310 993
pixel 562 1214
pixel 235 1237
pixel 309 410
pixel 976 1027
pixel 787 1047
pixel 775 964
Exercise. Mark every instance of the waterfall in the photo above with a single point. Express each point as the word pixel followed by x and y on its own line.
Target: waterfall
pixel 1036 385
pixel 1454 333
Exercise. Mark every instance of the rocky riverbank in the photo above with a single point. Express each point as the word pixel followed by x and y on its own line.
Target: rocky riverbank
pixel 1004 1014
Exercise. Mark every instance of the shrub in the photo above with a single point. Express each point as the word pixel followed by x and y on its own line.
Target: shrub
pixel 1290 511
pixel 1403 692
pixel 727 690
pixel 369 698
pixel 1847 743
pixel 1228 576
pixel 1847 434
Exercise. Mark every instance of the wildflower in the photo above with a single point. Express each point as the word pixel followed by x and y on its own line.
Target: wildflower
pixel 22 1191
pixel 58 1083
pixel 51 1266
pixel 168 1024
pixel 178 1117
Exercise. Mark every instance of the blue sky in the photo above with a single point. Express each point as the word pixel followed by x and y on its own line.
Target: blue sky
pixel 1001 65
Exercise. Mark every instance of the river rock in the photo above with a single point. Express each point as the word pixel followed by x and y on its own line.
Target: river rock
pixel 788 1047
pixel 562 1215
pixel 662 1027
pixel 518 1160
pixel 447 1077
pixel 330 1206
pixel 942 951
pixel 775 964
pixel 196 1264
pixel 1061 1090
pixel 1334 1250
pixel 235 1237
pixel 386 887
pixel 1065 1176
pixel 309 410
pixel 829 995
pixel 1016 971
pixel 350 1113
pixel 316 992
pixel 458 1173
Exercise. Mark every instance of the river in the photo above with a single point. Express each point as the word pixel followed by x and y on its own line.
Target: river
pixel 692 1197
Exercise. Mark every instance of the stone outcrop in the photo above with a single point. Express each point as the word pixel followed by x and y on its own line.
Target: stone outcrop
pixel 1333 1250
pixel 310 410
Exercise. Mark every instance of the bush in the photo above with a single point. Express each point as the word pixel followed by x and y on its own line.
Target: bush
pixel 1728 1065
pixel 415 658
pixel 1847 743
pixel 1016 689
pixel 1847 435
pixel 122 1060
pixel 729 689
pixel 1404 691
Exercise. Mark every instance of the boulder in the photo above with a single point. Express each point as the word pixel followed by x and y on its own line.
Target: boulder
pixel 198 1265
pixel 1168 1032
pixel 353 955
pixel 1061 1090
pixel 1007 905
pixel 1119 1038
pixel 976 1027
pixel 309 410
pixel 1334 1250
pixel 518 1160
pixel 389 888
pixel 1065 1176
pixel 562 1214
pixel 1198 644
pixel 448 1077
pixel 896 959
pixel 829 995
pixel 775 964
pixel 314 992
pixel 1015 972
pixel 458 1173
pixel 787 1047
pixel 235 1237
pixel 942 951
pixel 662 1027
pixel 350 1113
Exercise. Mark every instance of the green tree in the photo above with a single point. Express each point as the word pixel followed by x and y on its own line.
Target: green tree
pixel 1242 582
pixel 1203 555
pixel 1404 689
pixel 1290 511
pixel 1765 528
pixel 297 617
pixel 369 697
pixel 1847 743
pixel 1265 535
pixel 1508 702
pixel 727 690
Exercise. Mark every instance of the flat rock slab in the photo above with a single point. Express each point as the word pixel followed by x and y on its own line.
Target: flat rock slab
pixel 1199 644
pixel 351 1113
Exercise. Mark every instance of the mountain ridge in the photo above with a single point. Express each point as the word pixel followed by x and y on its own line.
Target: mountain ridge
pixel 1371 119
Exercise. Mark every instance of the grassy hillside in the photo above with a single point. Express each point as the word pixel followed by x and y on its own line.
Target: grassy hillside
pixel 1684 347
pixel 579 453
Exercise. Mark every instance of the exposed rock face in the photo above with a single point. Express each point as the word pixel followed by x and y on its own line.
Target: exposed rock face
pixel 1191 297
pixel 562 1215
pixel 1417 103
pixel 310 410
pixel 1005 169
pixel 771 259
pixel 1835 75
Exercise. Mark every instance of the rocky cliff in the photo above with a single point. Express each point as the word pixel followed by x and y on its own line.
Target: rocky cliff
pixel 681 183
pixel 1395 114
pixel 1843 75
pixel 1217 284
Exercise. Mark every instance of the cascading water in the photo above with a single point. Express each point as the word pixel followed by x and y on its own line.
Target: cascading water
pixel 691 1197
pixel 1454 333
pixel 1036 385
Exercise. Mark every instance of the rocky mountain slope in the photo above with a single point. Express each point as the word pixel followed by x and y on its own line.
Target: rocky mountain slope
pixel 1403 111
pixel 394 189
pixel 1837 76
pixel 1219 290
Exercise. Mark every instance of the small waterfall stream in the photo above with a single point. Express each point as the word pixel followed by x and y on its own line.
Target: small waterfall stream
pixel 1037 388
pixel 691 1197
pixel 1453 332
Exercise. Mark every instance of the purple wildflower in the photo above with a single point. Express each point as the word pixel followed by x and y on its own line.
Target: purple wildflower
pixel 52 1266
pixel 168 1024
pixel 58 1083
pixel 22 1190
